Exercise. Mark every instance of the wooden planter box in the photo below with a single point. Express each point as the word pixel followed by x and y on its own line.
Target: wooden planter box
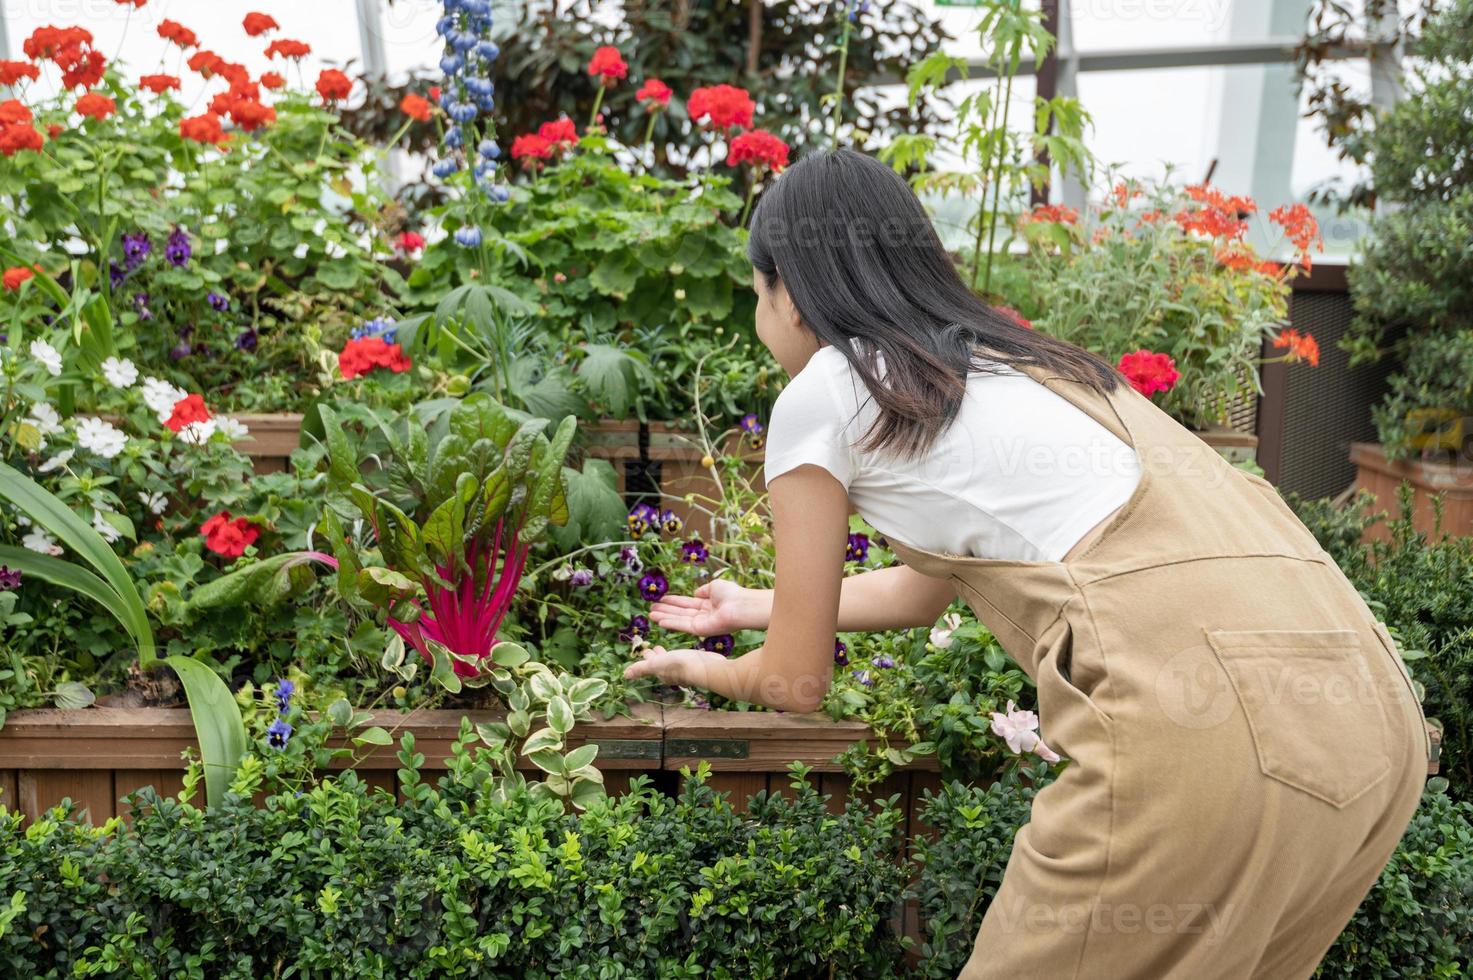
pixel 1383 477
pixel 1232 445
pixel 272 440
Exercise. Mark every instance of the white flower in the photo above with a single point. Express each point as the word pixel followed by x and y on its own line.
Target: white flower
pixel 43 419
pixel 198 433
pixel 102 527
pixel 119 372
pixel 232 429
pixel 156 503
pixel 161 397
pixel 102 438
pixel 1019 729
pixel 47 355
pixel 941 636
pixel 41 542
pixel 57 462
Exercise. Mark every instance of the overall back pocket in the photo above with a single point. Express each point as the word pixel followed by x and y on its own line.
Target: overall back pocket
pixel 1313 709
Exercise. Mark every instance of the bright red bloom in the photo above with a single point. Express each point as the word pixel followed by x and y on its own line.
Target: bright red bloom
pixel 70 48
pixel 288 49
pixel 202 129
pixel 273 81
pixel 410 241
pixel 187 410
pixel 1302 347
pixel 229 537
pixel 333 85
pixel 96 106
pixel 205 62
pixel 434 93
pixel 560 133
pixel 760 148
pixel 20 136
pixel 158 84
pixel 258 24
pixel 17 275
pixel 172 30
pixel 608 65
pixel 529 148
pixel 14 111
pixel 654 94
pixel 1058 214
pixel 417 107
pixel 1301 228
pixel 723 106
pixel 250 114
pixel 13 71
pixel 55 129
pixel 366 353
pixel 1220 215
pixel 1149 372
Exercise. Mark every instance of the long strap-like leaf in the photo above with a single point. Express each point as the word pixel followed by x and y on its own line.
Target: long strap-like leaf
pixel 66 575
pixel 217 724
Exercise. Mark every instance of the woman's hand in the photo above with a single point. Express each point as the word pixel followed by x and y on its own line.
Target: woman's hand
pixel 717 607
pixel 680 668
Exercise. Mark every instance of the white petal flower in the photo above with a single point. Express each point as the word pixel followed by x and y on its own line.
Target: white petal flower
pixel 43 419
pixel 161 397
pixel 198 433
pixel 102 438
pixel 47 355
pixel 156 503
pixel 232 429
pixel 41 542
pixel 57 462
pixel 119 372
pixel 102 527
pixel 941 635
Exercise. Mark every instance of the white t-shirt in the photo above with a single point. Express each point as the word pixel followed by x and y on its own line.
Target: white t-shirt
pixel 1021 474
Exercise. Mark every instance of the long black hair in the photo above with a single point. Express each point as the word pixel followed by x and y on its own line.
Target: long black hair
pixel 859 257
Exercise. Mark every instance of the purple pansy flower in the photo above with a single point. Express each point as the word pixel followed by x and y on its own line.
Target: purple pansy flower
pixel 247 340
pixel 883 661
pixel 178 250
pixel 218 302
pixel 722 643
pixel 638 626
pixel 694 551
pixel 180 351
pixel 284 691
pixel 582 578
pixel 278 733
pixel 140 303
pixel 116 275
pixel 135 249
pixel 670 522
pixel 653 585
pixel 641 518
pixel 857 548
pixel 862 676
pixel 9 578
pixel 750 424
pixel 841 652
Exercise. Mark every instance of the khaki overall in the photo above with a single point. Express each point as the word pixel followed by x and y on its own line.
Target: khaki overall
pixel 1245 749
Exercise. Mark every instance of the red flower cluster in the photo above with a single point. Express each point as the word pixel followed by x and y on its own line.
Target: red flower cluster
pixel 1220 216
pixel 288 49
pixel 608 65
pixel 1301 228
pixel 409 241
pixel 229 537
pixel 760 148
pixel 333 86
pixel 14 111
pixel 417 107
pixel 187 410
pixel 70 48
pixel 1149 372
pixel 560 133
pixel 16 275
pixel 158 84
pixel 172 30
pixel 96 106
pixel 530 148
pixel 242 103
pixel 258 24
pixel 16 131
pixel 273 80
pixel 13 71
pixel 723 106
pixel 1057 214
pixel 654 94
pixel 203 129
pixel 1302 346
pixel 366 353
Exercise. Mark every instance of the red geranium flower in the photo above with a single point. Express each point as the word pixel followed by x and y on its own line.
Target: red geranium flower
pixel 288 49
pixel 654 94
pixel 202 129
pixel 17 275
pixel 366 353
pixel 530 148
pixel 70 48
pixel 758 147
pixel 1149 372
pixel 229 537
pixel 434 93
pixel 1302 346
pixel 158 84
pixel 608 65
pixel 333 85
pixel 13 71
pixel 258 24
pixel 205 62
pixel 20 136
pixel 560 133
pixel 189 409
pixel 250 114
pixel 14 111
pixel 417 107
pixel 172 30
pixel 273 81
pixel 724 106
pixel 55 129
pixel 98 107
pixel 410 241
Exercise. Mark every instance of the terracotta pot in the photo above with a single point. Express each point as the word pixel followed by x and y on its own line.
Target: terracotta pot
pixel 1383 477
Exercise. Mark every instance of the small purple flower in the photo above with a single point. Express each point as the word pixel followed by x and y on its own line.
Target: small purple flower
pixel 883 661
pixel 694 551
pixel 278 733
pixel 140 303
pixel 136 248
pixel 750 424
pixel 9 578
pixel 841 652
pixel 284 691
pixel 653 585
pixel 862 676
pixel 247 340
pixel 180 351
pixel 178 250
pixel 638 626
pixel 582 578
pixel 857 548
pixel 722 643
pixel 116 275
pixel 696 701
pixel 629 556
pixel 217 302
pixel 641 518
pixel 670 522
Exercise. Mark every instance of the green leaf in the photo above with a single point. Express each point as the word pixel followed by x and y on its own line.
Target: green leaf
pixel 340 712
pixel 581 756
pixel 217 724
pixel 542 738
pixel 507 654
pixel 73 694
pixel 560 715
pixel 374 736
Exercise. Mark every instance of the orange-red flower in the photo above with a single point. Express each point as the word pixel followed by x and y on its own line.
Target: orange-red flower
pixel 20 136
pixel 273 81
pixel 362 355
pixel 607 65
pixel 203 128
pixel 333 85
pixel 187 410
pixel 288 49
pixel 258 24
pixel 14 111
pixel 172 30
pixel 205 62
pixel 16 275
pixel 1301 228
pixel 416 107
pixel 530 148
pixel 70 48
pixel 654 94
pixel 409 241
pixel 1302 346
pixel 158 84
pixel 723 106
pixel 561 133
pixel 1149 372
pixel 760 148
pixel 1059 214
pixel 96 106
pixel 229 537
pixel 13 71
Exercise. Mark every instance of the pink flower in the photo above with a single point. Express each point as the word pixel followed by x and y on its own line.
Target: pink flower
pixel 1019 729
